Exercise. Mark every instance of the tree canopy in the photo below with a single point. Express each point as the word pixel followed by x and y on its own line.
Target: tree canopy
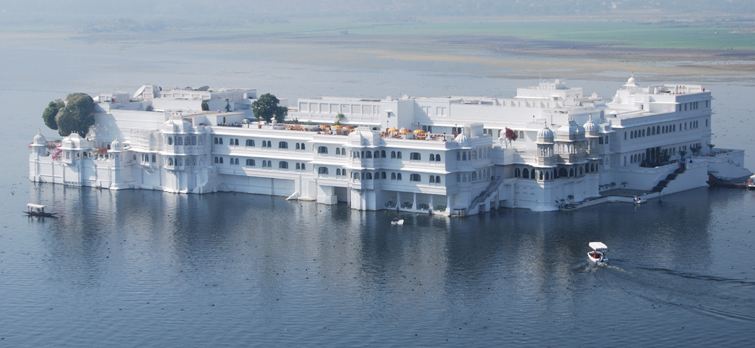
pixel 75 115
pixel 51 111
pixel 266 108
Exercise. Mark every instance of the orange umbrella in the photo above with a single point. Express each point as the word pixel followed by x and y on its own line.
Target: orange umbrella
pixel 419 131
pixel 392 130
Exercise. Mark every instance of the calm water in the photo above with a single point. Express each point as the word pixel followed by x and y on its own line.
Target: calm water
pixel 143 268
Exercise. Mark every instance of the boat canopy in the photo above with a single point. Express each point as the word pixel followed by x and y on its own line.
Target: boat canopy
pixel 599 246
pixel 35 206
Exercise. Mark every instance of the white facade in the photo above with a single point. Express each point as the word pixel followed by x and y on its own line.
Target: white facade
pixel 453 156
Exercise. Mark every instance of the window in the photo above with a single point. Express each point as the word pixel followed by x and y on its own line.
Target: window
pixel 393 154
pixel 398 176
pixel 170 161
pixel 398 155
pixel 170 140
pixel 282 145
pixel 368 176
pixel 377 154
pixel 322 149
pixel 415 156
pixel 302 146
pixel 437 179
pixel 221 160
pixel 393 176
pixel 356 176
pixel 250 162
pixel 283 165
pixel 437 157
pixel 236 142
pixel 154 158
pixel 264 143
pixel 215 140
pixel 193 140
pixel 298 166
pixel 179 141
pixel 297 146
pixel 249 142
pixel 369 154
pixel 432 157
pixel 338 151
pixel 264 164
pixel 415 177
pixel 303 166
pixel 338 170
pixel 216 160
pixel 382 153
pixel 383 175
pixel 221 141
pixel 343 151
pixel 432 179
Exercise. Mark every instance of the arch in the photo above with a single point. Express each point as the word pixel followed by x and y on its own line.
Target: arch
pixel 464 156
pixel 383 175
pixel 432 158
pixel 282 145
pixel 236 142
pixel 321 149
pixel 338 151
pixel 250 162
pixel 298 146
pixel 382 153
pixel 283 165
pixel 170 140
pixel 437 157
pixel 303 146
pixel 179 141
pixel 298 166
pixel 338 171
pixel 571 172
pixel 541 175
pixel 525 173
pixel 398 176
pixel 322 170
pixel 249 142
pixel 393 154
pixel 547 176
pixel 377 154
pixel 368 175
pixel 517 172
pixel 398 154
pixel 437 179
pixel 369 154
pixel 221 141
pixel 393 176
pixel 432 179
pixel 215 140
pixel 562 172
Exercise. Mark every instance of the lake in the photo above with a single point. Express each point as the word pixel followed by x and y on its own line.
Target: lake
pixel 145 268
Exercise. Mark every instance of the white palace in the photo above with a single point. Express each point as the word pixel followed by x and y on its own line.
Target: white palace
pixel 443 155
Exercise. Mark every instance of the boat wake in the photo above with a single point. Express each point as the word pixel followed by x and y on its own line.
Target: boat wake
pixel 690 275
pixel 700 308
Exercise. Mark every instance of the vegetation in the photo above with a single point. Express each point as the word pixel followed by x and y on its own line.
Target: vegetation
pixel 266 108
pixel 75 115
pixel 339 118
pixel 51 111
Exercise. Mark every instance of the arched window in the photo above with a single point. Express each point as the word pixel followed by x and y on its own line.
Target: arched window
pixel 268 143
pixel 221 141
pixel 303 166
pixel 356 176
pixel 571 172
pixel 398 176
pixel 303 146
pixel 250 162
pixel 393 176
pixel 415 156
pixel 236 142
pixel 264 143
pixel 249 142
pixel 382 153
pixel 193 140
pixel 264 164
pixel 383 175
pixel 322 170
pixel 437 158
pixel 298 147
pixel 179 141
pixel 215 140
pixel 343 151
pixel 563 172
pixel 282 145
pixel 237 161
pixel 368 176
pixel 464 156
pixel 432 179
pixel 415 177
pixel 154 158
pixel 368 154
pixel 338 151
pixel 322 149
pixel 547 176
pixel 393 154
pixel 170 161
pixel 525 173
pixel 580 171
pixel 338 170
pixel 541 175
pixel 216 160
pixel 298 166
pixel 398 155
pixel 432 159
pixel 437 179
pixel 283 165
pixel 170 140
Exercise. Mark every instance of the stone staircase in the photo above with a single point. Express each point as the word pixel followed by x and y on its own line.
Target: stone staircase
pixel 669 178
pixel 484 195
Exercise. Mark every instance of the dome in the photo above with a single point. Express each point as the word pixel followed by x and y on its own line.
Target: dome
pixel 116 145
pixel 462 139
pixel 39 139
pixel 631 82
pixel 546 134
pixel 590 127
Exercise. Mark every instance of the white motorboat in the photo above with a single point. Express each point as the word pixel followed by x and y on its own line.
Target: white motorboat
pixel 396 221
pixel 598 253
pixel 751 183
pixel 639 200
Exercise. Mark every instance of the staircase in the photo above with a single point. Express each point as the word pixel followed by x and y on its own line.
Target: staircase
pixel 663 183
pixel 484 195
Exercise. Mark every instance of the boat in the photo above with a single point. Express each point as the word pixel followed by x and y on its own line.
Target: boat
pixel 598 253
pixel 639 200
pixel 38 210
pixel 396 221
pixel 751 183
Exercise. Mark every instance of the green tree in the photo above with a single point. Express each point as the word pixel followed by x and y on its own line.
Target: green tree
pixel 51 111
pixel 77 115
pixel 266 108
pixel 339 118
